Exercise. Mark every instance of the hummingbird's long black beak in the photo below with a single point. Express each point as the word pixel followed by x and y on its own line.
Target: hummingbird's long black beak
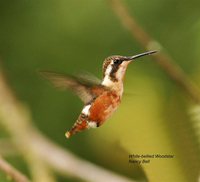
pixel 139 55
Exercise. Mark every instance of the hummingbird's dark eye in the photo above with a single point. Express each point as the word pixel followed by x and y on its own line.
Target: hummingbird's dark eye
pixel 117 61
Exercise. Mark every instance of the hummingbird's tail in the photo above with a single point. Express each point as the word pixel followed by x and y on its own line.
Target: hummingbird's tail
pixel 68 134
pixel 79 125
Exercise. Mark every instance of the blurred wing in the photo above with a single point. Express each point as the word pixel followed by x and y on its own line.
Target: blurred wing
pixel 89 78
pixel 83 87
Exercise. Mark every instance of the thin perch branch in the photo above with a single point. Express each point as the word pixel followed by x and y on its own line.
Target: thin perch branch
pixel 12 172
pixel 68 164
pixel 162 59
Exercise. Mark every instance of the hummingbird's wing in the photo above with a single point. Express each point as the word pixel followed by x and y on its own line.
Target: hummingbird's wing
pixel 88 77
pixel 84 86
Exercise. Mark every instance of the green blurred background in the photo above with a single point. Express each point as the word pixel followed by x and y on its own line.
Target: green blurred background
pixel 72 36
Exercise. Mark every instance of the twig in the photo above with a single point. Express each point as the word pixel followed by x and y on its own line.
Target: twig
pixel 12 172
pixel 162 59
pixel 36 148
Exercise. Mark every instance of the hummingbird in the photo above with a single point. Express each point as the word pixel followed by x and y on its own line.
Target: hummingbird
pixel 100 98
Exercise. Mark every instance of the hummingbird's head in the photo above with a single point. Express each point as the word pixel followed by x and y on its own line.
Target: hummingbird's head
pixel 114 67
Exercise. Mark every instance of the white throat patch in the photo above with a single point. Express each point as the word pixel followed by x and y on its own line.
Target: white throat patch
pixel 107 81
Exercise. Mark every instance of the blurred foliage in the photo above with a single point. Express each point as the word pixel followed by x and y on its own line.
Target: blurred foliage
pixel 70 36
pixel 5 178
